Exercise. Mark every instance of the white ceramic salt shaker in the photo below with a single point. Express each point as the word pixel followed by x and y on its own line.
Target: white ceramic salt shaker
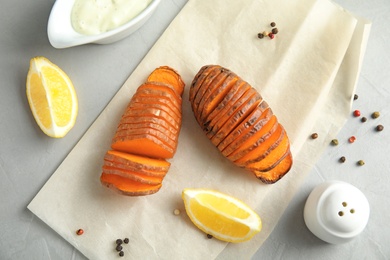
pixel 336 212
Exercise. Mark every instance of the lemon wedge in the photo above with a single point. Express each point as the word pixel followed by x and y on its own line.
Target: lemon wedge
pixel 52 97
pixel 220 215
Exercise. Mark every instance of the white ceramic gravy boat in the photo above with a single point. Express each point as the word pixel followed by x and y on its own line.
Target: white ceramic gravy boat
pixel 62 35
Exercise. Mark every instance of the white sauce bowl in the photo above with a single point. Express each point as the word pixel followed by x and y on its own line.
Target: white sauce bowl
pixel 336 212
pixel 62 35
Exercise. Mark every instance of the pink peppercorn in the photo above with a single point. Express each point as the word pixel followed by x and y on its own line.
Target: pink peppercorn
pixel 352 139
pixel 356 113
pixel 271 35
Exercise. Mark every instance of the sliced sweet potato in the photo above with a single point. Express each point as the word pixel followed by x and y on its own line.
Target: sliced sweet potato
pixel 151 99
pixel 248 124
pixel 236 119
pixel 142 106
pixel 165 88
pixel 199 79
pixel 146 145
pixel 267 160
pixel 168 75
pixel 160 94
pixel 235 93
pixel 162 136
pixel 149 119
pixel 276 173
pixel 144 124
pixel 133 175
pixel 213 126
pixel 126 186
pixel 241 106
pixel 215 97
pixel 154 113
pixel 251 140
pixel 260 151
pixel 130 162
pixel 138 162
pixel 205 85
pixel 206 92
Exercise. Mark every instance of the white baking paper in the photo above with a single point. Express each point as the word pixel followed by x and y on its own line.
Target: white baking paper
pixel 307 74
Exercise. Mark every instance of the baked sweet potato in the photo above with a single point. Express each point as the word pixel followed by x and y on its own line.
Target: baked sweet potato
pixel 147 135
pixel 240 123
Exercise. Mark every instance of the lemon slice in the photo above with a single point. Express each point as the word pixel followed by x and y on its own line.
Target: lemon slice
pixel 52 97
pixel 220 215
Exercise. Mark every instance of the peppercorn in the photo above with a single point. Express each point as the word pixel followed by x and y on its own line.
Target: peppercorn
pixel 314 135
pixel 361 162
pixel 260 35
pixel 379 128
pixel 79 232
pixel 126 240
pixel 271 36
pixel 364 119
pixel 342 159
pixel 209 236
pixel 335 142
pixel 265 33
pixel 119 241
pixel 273 24
pixel 176 212
pixel 376 114
pixel 118 248
pixel 275 30
pixel 121 253
pixel 355 97
pixel 356 113
pixel 352 139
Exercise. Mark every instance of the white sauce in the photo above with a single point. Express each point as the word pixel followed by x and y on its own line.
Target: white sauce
pixel 98 16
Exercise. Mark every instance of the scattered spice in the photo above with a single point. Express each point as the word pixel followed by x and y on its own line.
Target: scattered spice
pixel 355 97
pixel 126 240
pixel 335 142
pixel 342 159
pixel 314 135
pixel 356 113
pixel 379 128
pixel 352 139
pixel 360 162
pixel 119 241
pixel 364 119
pixel 79 232
pixel 271 36
pixel 265 33
pixel 176 212
pixel 376 114
pixel 273 24
pixel 121 253
pixel 119 248
pixel 275 31
pixel 209 236
pixel 260 35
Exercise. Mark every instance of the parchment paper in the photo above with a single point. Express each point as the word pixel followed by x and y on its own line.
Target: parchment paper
pixel 307 74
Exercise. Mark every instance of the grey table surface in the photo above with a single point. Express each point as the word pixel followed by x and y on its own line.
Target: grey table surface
pixel 28 157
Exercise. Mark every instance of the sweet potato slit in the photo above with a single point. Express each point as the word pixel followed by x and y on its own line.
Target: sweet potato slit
pixel 167 75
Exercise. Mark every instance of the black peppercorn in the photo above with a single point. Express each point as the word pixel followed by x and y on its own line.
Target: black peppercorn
pixel 314 136
pixel 273 24
pixel 260 35
pixel 342 159
pixel 121 253
pixel 118 248
pixel 363 119
pixel 126 240
pixel 209 236
pixel 355 97
pixel 275 30
pixel 379 128
pixel 119 241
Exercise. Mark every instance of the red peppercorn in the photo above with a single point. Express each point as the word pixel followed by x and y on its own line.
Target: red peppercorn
pixel 271 35
pixel 352 139
pixel 79 232
pixel 356 113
